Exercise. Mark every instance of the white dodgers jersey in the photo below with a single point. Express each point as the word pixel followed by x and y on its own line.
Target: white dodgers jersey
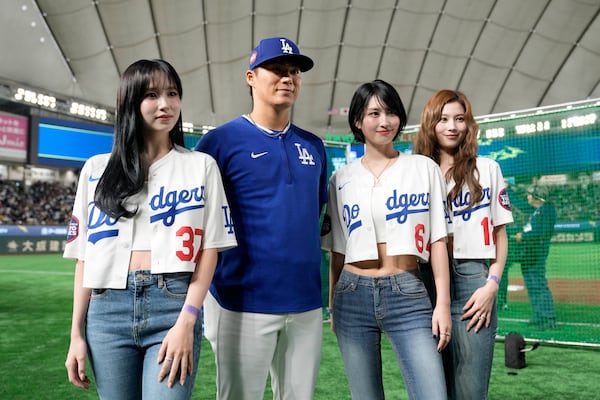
pixel 473 227
pixel 412 204
pixel 188 213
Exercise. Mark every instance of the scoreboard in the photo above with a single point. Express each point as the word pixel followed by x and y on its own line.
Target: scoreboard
pixel 569 120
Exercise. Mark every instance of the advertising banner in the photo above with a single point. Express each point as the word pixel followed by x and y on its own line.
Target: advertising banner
pixel 22 239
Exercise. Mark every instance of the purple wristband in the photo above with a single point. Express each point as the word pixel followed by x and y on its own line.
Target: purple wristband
pixel 191 309
pixel 494 278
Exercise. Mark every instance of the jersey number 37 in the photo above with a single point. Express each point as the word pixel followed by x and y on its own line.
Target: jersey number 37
pixel 191 242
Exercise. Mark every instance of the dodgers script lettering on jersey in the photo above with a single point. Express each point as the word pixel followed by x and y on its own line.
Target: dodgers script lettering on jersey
pixel 401 206
pixel 165 207
pixel 97 220
pixel 100 223
pixel 351 213
pixel 464 197
pixel 405 204
pixel 191 199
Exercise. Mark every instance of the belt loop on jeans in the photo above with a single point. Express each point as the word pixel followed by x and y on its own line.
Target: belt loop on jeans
pixel 161 280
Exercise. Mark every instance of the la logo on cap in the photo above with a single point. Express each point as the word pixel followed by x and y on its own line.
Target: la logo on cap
pixel 286 47
pixel 279 49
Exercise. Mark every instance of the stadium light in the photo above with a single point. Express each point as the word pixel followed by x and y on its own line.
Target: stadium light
pixel 206 128
pixel 188 126
pixel 88 111
pixel 31 97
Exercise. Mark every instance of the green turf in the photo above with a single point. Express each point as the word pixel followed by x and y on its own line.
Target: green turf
pixel 35 311
pixel 571 261
pixel 578 322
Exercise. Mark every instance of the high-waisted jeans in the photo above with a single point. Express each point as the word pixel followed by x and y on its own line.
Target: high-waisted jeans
pixel 125 329
pixel 398 306
pixel 468 358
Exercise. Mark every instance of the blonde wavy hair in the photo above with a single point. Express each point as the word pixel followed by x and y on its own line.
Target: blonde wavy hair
pixel 464 169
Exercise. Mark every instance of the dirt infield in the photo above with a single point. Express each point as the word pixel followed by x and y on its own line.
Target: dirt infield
pixel 572 291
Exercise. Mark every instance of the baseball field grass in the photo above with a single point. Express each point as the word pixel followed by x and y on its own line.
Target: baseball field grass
pixel 35 312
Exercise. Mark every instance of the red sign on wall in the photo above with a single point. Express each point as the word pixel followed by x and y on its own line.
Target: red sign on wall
pixel 13 137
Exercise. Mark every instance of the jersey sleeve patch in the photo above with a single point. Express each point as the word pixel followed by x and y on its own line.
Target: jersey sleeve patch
pixel 73 229
pixel 503 200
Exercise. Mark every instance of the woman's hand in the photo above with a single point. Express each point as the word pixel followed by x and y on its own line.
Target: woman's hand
pixel 441 321
pixel 176 352
pixel 331 324
pixel 480 306
pixel 75 363
pixel 441 324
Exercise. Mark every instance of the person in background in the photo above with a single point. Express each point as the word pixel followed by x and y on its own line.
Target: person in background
pixel 264 311
pixel 387 210
pixel 535 240
pixel 520 210
pixel 479 210
pixel 147 222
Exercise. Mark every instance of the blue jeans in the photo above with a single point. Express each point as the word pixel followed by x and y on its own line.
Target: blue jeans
pixel 538 291
pixel 398 306
pixel 124 331
pixel 468 358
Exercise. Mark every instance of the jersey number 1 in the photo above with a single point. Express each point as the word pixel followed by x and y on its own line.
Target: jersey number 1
pixel 488 238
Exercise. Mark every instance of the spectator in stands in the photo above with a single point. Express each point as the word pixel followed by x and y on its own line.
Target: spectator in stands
pixel 535 239
pixel 478 245
pixel 148 220
pixel 387 210
pixel 264 310
pixel 40 203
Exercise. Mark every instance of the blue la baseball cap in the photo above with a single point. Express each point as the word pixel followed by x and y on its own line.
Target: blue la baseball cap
pixel 280 49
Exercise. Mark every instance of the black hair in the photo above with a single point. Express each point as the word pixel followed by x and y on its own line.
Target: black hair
pixel 386 94
pixel 124 175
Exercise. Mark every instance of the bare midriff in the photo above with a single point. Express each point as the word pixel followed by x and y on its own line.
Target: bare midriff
pixel 385 265
pixel 140 260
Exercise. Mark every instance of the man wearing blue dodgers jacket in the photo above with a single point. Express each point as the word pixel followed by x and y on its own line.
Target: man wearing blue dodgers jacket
pixel 263 312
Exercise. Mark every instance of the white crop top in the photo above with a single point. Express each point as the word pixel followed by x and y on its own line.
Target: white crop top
pixel 193 202
pixel 378 212
pixel 142 232
pixel 412 212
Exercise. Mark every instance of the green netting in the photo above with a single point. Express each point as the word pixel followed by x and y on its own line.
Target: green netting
pixel 557 151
